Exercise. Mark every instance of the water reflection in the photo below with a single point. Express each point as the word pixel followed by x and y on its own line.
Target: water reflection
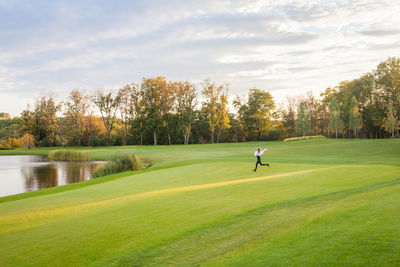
pixel 39 177
pixel 29 173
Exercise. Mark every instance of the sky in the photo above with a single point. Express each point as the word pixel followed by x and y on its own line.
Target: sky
pixel 48 48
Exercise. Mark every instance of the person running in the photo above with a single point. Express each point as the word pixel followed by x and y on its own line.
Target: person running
pixel 258 154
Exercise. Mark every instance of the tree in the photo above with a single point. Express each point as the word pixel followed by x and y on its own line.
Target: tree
pixel 168 96
pixel 255 114
pixel 335 122
pixel 222 121
pixel 387 76
pixel 108 106
pixel 259 112
pixel 391 122
pixel 312 106
pixel 212 94
pixel 75 111
pixel 355 121
pixel 289 118
pixel 27 141
pixel 151 94
pixel 4 116
pixel 364 91
pixel 28 122
pixel 241 116
pixel 139 114
pixel 42 122
pixel 303 123
pixel 94 127
pixel 186 103
pixel 127 96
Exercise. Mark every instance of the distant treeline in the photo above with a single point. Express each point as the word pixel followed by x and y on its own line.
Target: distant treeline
pixel 158 111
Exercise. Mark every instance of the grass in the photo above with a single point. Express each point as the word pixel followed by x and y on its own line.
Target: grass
pixel 69 155
pixel 119 163
pixel 323 202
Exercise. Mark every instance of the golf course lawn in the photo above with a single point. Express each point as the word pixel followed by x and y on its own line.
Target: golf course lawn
pixel 323 202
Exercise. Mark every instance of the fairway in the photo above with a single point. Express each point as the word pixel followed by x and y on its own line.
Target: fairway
pixel 322 203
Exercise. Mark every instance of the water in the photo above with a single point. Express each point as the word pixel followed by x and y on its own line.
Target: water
pixel 20 174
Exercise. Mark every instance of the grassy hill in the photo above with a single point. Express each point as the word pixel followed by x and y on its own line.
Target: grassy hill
pixel 322 202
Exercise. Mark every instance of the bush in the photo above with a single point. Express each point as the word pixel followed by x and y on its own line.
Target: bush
pixel 5 148
pixel 119 163
pixel 304 138
pixel 69 155
pixel 94 141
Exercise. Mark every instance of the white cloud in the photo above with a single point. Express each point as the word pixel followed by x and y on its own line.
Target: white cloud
pixel 284 46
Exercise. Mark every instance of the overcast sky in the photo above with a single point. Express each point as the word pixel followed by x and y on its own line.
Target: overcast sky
pixel 285 47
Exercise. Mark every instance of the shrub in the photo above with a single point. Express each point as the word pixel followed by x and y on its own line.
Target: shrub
pixel 94 140
pixel 119 163
pixel 304 138
pixel 5 148
pixel 69 155
pixel 13 142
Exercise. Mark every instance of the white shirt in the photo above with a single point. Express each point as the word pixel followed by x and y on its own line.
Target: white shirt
pixel 259 153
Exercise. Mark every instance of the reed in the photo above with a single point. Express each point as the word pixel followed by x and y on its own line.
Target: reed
pixel 304 138
pixel 119 163
pixel 69 155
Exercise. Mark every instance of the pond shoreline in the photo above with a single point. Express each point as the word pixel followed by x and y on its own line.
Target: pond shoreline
pixel 27 173
pixel 65 187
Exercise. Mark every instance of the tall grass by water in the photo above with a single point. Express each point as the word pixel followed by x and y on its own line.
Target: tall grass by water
pixel 69 155
pixel 304 138
pixel 119 163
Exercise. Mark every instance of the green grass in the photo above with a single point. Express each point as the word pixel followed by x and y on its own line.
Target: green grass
pixel 323 202
pixel 69 155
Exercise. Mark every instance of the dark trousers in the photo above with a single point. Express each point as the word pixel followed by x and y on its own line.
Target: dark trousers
pixel 259 162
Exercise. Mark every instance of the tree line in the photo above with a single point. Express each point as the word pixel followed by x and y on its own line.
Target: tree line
pixel 159 111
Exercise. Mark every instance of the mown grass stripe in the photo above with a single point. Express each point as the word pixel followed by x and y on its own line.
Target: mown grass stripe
pixel 27 217
pixel 316 205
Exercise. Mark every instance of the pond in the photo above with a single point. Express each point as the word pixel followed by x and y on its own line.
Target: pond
pixel 19 174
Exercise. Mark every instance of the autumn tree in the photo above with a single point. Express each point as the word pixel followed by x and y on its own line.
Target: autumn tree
pixel 108 106
pixel 241 116
pixel 28 121
pixel 391 121
pixel 138 123
pixel 4 116
pixel 27 141
pixel 222 121
pixel 168 96
pixel 260 106
pixel 211 93
pixel 76 107
pixel 355 120
pixel 387 76
pixel 94 127
pixel 126 95
pixel 185 107
pixel 335 122
pixel 289 117
pixel 151 93
pixel 42 121
pixel 303 123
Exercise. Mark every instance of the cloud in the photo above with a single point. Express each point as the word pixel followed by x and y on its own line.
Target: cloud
pixel 284 46
pixel 380 32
